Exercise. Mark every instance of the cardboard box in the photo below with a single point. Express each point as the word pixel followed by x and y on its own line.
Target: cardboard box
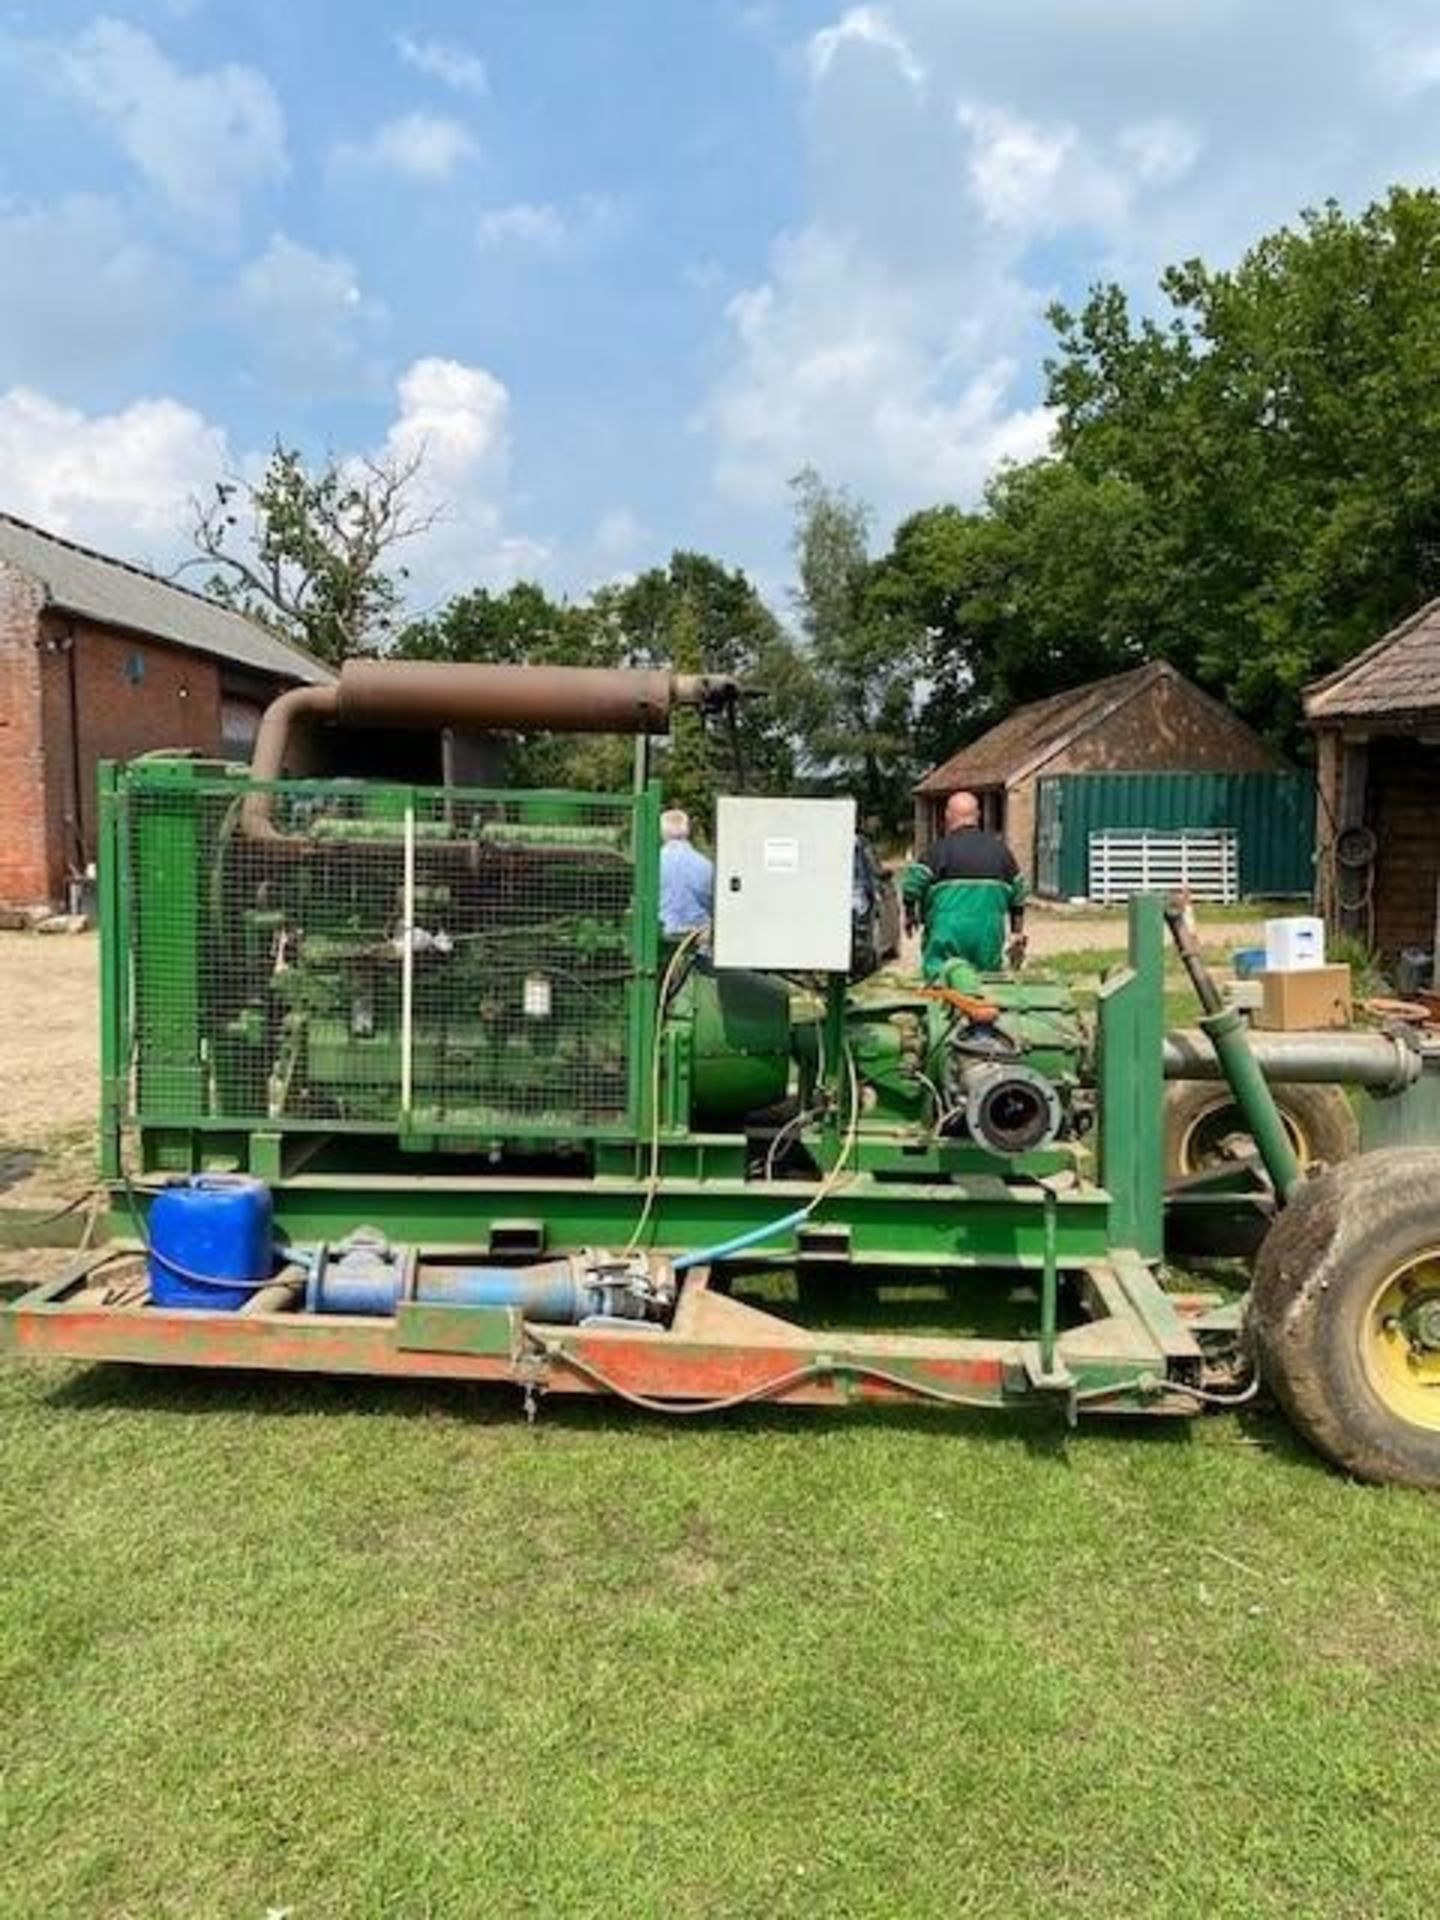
pixel 1307 998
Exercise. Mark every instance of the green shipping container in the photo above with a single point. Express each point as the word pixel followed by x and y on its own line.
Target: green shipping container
pixel 1271 814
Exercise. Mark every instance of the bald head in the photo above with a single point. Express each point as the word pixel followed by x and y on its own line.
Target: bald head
pixel 961 810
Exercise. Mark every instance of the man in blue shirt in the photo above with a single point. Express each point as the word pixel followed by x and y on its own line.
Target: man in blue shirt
pixel 687 878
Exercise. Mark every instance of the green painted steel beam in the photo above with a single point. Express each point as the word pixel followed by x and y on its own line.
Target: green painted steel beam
pixel 1132 1088
pixel 979 1223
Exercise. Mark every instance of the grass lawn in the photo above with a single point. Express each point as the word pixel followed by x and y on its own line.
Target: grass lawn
pixel 357 1651
pixel 1083 969
pixel 346 1650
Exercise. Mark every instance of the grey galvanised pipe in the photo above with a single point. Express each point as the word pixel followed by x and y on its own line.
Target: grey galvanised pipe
pixel 1379 1062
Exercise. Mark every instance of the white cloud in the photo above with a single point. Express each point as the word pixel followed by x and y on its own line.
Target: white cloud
pixel 618 538
pixel 455 419
pixel 865 27
pixel 874 381
pixel 544 227
pixel 204 139
pixel 454 66
pixel 81 288
pixel 121 481
pixel 525 223
pixel 306 317
pixel 1161 150
pixel 1036 176
pixel 1016 168
pixel 895 336
pixel 422 146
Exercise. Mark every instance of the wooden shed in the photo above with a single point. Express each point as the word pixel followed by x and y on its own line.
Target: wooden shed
pixel 1150 721
pixel 1377 728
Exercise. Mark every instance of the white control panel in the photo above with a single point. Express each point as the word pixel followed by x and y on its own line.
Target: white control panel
pixel 784 884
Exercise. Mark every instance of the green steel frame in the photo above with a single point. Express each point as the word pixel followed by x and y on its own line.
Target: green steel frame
pixel 1099 1334
pixel 150 859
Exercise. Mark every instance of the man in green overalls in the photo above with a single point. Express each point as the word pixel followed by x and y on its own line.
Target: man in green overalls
pixel 965 891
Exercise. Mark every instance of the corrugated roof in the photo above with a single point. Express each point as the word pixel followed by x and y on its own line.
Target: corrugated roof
pixel 79 580
pixel 1033 734
pixel 1398 675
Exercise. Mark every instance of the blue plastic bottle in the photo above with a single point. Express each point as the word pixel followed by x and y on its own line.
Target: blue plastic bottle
pixel 215 1225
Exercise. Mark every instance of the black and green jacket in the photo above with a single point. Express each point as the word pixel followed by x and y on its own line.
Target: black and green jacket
pixel 965 890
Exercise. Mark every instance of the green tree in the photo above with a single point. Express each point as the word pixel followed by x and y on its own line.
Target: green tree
pixel 309 552
pixel 862 654
pixel 697 616
pixel 1282 428
pixel 1029 594
pixel 689 770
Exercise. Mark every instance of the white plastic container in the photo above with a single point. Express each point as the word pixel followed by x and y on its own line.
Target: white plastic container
pixel 1295 944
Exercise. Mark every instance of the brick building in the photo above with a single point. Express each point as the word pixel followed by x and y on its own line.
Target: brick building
pixel 100 660
pixel 1151 719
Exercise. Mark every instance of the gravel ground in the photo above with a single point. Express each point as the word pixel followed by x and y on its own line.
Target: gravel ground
pixel 49 1043
pixel 1065 930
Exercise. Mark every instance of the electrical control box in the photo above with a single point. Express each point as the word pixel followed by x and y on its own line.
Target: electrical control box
pixel 784 884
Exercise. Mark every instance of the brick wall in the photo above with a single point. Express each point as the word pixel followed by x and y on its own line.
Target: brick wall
pixel 1020 804
pixel 23 867
pixel 133 696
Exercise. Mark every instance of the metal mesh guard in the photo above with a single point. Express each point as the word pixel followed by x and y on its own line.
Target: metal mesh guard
pixel 390 958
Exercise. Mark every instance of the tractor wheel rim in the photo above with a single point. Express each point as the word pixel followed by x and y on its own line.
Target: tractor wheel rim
pixel 1201 1144
pixel 1403 1373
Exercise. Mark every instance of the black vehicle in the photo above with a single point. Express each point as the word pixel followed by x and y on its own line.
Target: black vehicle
pixel 874 913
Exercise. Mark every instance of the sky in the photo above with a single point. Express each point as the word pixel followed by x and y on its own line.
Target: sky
pixel 617 269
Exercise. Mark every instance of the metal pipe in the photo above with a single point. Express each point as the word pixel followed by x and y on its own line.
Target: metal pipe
pixel 1193 961
pixel 429 693
pixel 267 759
pixel 407 973
pixel 1227 1034
pixel 1225 1028
pixel 1380 1062
pixel 280 1295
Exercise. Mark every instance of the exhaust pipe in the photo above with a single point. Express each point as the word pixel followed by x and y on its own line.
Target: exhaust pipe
pixel 427 693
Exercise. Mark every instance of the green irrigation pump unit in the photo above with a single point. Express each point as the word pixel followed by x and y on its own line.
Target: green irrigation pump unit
pixel 507 1132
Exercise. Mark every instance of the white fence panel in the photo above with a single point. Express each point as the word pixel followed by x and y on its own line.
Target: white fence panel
pixel 1205 862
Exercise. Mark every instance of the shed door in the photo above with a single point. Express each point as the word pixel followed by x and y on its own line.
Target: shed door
pixel 1048 824
pixel 1404 804
pixel 1203 861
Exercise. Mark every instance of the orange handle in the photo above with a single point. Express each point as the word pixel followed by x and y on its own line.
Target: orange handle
pixel 966 1003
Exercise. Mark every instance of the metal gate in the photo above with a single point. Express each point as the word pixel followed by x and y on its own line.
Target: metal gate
pixel 1204 862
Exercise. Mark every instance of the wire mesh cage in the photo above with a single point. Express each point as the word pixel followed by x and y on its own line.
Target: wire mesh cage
pixel 354 955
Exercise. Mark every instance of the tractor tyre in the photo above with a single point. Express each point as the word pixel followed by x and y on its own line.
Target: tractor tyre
pixel 1201 1115
pixel 1344 1314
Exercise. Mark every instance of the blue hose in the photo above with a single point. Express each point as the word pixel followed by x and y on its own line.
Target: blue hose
pixel 724 1248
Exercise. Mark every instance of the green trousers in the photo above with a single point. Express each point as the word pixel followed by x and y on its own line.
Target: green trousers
pixel 963 920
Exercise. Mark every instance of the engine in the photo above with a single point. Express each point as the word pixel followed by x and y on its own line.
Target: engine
pixel 994 1061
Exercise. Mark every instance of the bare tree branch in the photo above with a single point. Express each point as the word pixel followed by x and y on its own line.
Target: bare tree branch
pixel 311 560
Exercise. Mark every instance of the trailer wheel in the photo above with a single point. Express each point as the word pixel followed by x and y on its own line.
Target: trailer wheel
pixel 1204 1127
pixel 1344 1315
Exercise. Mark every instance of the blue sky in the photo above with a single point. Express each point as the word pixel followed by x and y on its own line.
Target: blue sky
pixel 620 269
